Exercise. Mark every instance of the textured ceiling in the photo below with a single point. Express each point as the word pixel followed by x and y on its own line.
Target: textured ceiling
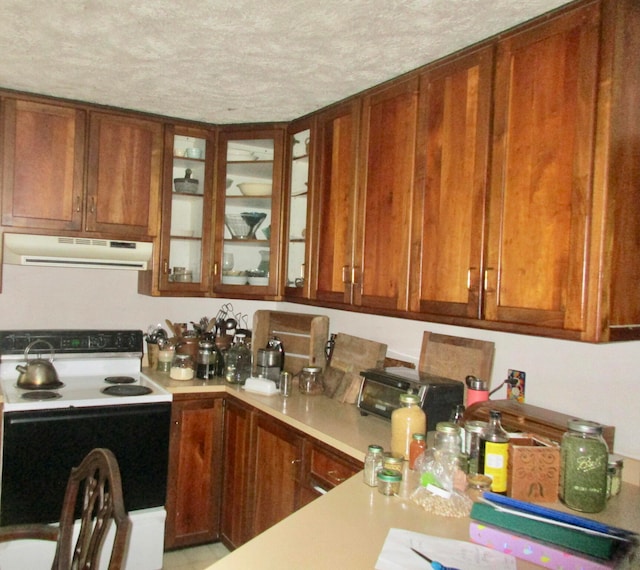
pixel 229 61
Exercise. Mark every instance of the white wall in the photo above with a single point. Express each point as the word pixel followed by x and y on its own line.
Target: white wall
pixel 597 382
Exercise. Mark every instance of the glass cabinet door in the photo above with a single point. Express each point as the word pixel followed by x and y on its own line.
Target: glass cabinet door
pixel 296 277
pixel 251 167
pixel 186 213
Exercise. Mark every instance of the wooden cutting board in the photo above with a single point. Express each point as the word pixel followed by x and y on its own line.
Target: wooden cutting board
pixel 350 356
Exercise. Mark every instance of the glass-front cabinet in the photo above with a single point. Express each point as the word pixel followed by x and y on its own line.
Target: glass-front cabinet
pixel 187 210
pixel 297 210
pixel 248 211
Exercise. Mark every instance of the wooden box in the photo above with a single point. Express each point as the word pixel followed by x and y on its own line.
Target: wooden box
pixel 303 336
pixel 533 469
pixel 517 417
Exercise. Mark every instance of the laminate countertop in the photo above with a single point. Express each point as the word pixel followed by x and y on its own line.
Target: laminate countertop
pixel 347 527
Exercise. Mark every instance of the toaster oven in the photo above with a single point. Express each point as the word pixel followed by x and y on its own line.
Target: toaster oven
pixel 380 391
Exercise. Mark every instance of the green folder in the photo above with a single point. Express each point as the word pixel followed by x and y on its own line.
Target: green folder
pixel 571 538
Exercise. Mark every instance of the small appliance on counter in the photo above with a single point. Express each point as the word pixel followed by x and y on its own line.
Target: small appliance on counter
pixel 381 388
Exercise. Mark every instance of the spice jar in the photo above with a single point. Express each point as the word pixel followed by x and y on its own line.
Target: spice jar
pixel 614 475
pixel 310 381
pixel 406 420
pixel 393 461
pixel 389 482
pixel 373 462
pixel 417 448
pixel 473 430
pixel 477 484
pixel 583 472
pixel 182 367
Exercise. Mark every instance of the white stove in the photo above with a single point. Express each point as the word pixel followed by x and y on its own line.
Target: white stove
pixel 43 438
pixel 112 361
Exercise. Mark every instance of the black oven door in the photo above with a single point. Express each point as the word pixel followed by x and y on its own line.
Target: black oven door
pixel 39 448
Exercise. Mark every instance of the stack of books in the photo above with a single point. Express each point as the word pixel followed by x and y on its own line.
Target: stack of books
pixel 551 538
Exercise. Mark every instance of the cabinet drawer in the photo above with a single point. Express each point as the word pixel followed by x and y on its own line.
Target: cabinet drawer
pixel 330 468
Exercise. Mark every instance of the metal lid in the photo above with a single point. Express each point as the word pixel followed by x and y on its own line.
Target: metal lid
pixel 447 427
pixel 418 436
pixel 373 448
pixel 585 426
pixel 393 458
pixel 312 369
pixel 475 426
pixel 389 475
pixel 409 399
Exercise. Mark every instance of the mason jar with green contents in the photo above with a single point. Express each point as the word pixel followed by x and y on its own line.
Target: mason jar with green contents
pixel 583 474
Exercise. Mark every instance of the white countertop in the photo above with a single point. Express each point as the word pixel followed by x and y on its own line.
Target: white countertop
pixel 347 527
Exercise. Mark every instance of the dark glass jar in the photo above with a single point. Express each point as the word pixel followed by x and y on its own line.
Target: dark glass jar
pixel 583 470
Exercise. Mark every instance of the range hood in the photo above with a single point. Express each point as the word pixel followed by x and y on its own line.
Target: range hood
pixel 52 251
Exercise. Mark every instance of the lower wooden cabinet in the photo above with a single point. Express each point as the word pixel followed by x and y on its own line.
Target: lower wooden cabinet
pixel 195 470
pixel 270 471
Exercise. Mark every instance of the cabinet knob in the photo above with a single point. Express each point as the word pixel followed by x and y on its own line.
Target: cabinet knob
pixel 334 475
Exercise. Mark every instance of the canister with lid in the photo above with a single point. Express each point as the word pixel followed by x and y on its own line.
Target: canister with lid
pixel 373 462
pixel 583 469
pixel 182 367
pixel 310 381
pixel 473 434
pixel 406 420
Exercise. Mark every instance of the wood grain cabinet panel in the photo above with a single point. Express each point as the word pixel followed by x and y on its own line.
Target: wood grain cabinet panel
pixel 43 161
pixel 451 185
pixel 125 170
pixel 195 471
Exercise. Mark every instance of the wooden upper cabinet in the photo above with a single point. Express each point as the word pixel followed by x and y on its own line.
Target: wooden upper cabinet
pixel 124 175
pixel 380 272
pixel 66 168
pixel 541 188
pixel 43 165
pixel 334 202
pixel 451 185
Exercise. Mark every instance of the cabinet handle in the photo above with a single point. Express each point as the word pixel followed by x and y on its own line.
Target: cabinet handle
pixel 319 489
pixel 486 281
pixel 294 461
pixel 165 266
pixel 215 268
pixel 92 205
pixel 345 274
pixel 470 271
pixel 78 204
pixel 332 475
pixel 354 275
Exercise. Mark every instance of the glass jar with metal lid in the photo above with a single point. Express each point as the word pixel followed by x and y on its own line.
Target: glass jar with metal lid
pixel 182 367
pixel 447 438
pixel 406 420
pixel 474 430
pixel 310 381
pixel 583 472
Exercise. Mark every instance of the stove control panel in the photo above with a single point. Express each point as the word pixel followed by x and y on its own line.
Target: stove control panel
pixel 72 341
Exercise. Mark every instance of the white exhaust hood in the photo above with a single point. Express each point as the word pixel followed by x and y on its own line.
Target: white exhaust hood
pixel 52 251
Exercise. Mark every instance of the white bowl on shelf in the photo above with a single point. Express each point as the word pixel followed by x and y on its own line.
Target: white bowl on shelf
pixel 234 279
pixel 255 188
pixel 261 281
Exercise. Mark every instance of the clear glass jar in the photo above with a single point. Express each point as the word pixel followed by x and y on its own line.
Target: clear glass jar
pixel 373 462
pixel 447 438
pixel 583 467
pixel 417 448
pixel 494 453
pixel 393 461
pixel 310 381
pixel 237 362
pixel 477 484
pixel 165 358
pixel 389 482
pixel 473 430
pixel 182 367
pixel 406 420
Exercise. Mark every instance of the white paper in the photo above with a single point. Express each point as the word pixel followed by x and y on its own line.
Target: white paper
pixel 396 553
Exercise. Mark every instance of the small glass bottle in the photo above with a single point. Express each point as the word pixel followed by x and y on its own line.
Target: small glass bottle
pixel 417 448
pixel 457 418
pixel 494 453
pixel 614 475
pixel 473 431
pixel 237 362
pixel 583 467
pixel 406 420
pixel 373 462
